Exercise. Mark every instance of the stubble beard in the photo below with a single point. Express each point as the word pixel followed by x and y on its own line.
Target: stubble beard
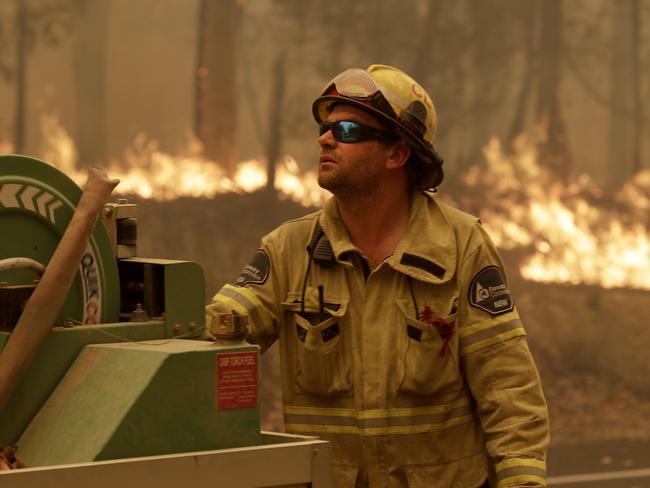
pixel 347 183
pixel 329 180
pixel 337 180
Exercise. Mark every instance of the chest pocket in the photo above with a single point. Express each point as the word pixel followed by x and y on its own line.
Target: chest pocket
pixel 322 344
pixel 427 347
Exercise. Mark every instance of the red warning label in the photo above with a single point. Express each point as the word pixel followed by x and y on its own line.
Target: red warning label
pixel 236 380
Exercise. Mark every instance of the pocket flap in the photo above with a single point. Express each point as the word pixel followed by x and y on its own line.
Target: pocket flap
pixel 333 305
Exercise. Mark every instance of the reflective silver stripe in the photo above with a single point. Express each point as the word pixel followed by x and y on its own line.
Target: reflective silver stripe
pixel 521 471
pixel 244 302
pixel 469 330
pixel 319 419
pixel 373 431
pixel 375 413
pixel 491 332
pixel 522 480
pixel 372 423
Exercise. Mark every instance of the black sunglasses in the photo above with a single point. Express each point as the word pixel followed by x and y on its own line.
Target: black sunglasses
pixel 351 131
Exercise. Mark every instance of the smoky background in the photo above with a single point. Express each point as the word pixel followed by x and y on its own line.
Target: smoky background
pixel 543 123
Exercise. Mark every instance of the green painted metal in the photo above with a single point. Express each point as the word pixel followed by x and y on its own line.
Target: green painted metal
pixel 54 358
pixel 36 204
pixel 128 400
pixel 184 292
pixel 184 316
pixel 184 299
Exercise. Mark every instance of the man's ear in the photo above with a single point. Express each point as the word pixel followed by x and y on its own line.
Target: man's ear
pixel 399 154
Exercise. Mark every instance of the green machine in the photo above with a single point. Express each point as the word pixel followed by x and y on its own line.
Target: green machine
pixel 122 386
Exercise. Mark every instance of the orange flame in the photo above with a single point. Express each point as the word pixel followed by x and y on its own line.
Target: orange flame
pixel 574 238
pixel 149 172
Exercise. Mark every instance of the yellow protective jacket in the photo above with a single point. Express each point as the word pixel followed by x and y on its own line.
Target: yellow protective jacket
pixel 418 371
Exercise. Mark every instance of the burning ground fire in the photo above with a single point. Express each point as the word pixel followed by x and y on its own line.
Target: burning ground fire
pixel 148 172
pixel 571 233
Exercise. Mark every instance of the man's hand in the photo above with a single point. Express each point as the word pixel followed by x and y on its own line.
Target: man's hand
pixel 212 312
pixel 220 322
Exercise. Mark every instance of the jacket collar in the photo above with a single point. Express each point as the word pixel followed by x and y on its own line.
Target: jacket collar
pixel 427 252
pixel 332 224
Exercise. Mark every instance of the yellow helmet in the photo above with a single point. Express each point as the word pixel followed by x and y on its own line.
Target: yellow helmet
pixel 392 96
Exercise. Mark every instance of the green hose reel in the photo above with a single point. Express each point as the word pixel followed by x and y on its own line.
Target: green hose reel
pixel 36 205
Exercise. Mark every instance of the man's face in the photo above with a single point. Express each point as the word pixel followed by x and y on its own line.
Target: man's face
pixel 351 167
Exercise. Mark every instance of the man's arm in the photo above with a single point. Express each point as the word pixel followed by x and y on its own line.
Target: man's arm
pixel 500 372
pixel 253 294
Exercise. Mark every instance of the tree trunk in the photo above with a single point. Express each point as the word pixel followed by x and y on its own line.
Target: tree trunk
pixel 20 75
pixel 635 18
pixel 528 15
pixel 553 151
pixel 421 64
pixel 216 80
pixel 624 128
pixel 485 86
pixel 90 79
pixel 274 143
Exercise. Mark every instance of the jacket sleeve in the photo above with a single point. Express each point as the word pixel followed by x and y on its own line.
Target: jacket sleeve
pixel 255 294
pixel 500 371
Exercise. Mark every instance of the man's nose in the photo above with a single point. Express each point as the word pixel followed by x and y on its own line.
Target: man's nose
pixel 326 140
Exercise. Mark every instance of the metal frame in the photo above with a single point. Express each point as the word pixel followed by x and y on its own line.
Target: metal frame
pixel 286 461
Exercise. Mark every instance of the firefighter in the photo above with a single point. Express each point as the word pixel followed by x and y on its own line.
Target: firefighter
pixel 399 340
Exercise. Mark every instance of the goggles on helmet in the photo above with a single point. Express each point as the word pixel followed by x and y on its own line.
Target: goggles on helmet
pixel 350 131
pixel 358 84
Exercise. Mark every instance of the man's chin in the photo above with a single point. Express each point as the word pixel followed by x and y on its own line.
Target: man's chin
pixel 332 178
pixel 324 179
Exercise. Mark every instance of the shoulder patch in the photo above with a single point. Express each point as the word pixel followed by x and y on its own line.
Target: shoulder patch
pixel 489 292
pixel 257 271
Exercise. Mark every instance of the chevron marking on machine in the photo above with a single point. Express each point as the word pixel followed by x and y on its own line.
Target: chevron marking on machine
pixel 8 195
pixel 51 209
pixel 47 205
pixel 15 195
pixel 43 203
pixel 27 197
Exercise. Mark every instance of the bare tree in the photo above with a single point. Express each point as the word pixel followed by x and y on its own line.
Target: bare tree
pixel 526 15
pixel 7 27
pixel 45 21
pixel 625 89
pixel 20 42
pixel 635 20
pixel 216 80
pixel 612 34
pixel 274 143
pixel 554 150
pixel 495 41
pixel 90 80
